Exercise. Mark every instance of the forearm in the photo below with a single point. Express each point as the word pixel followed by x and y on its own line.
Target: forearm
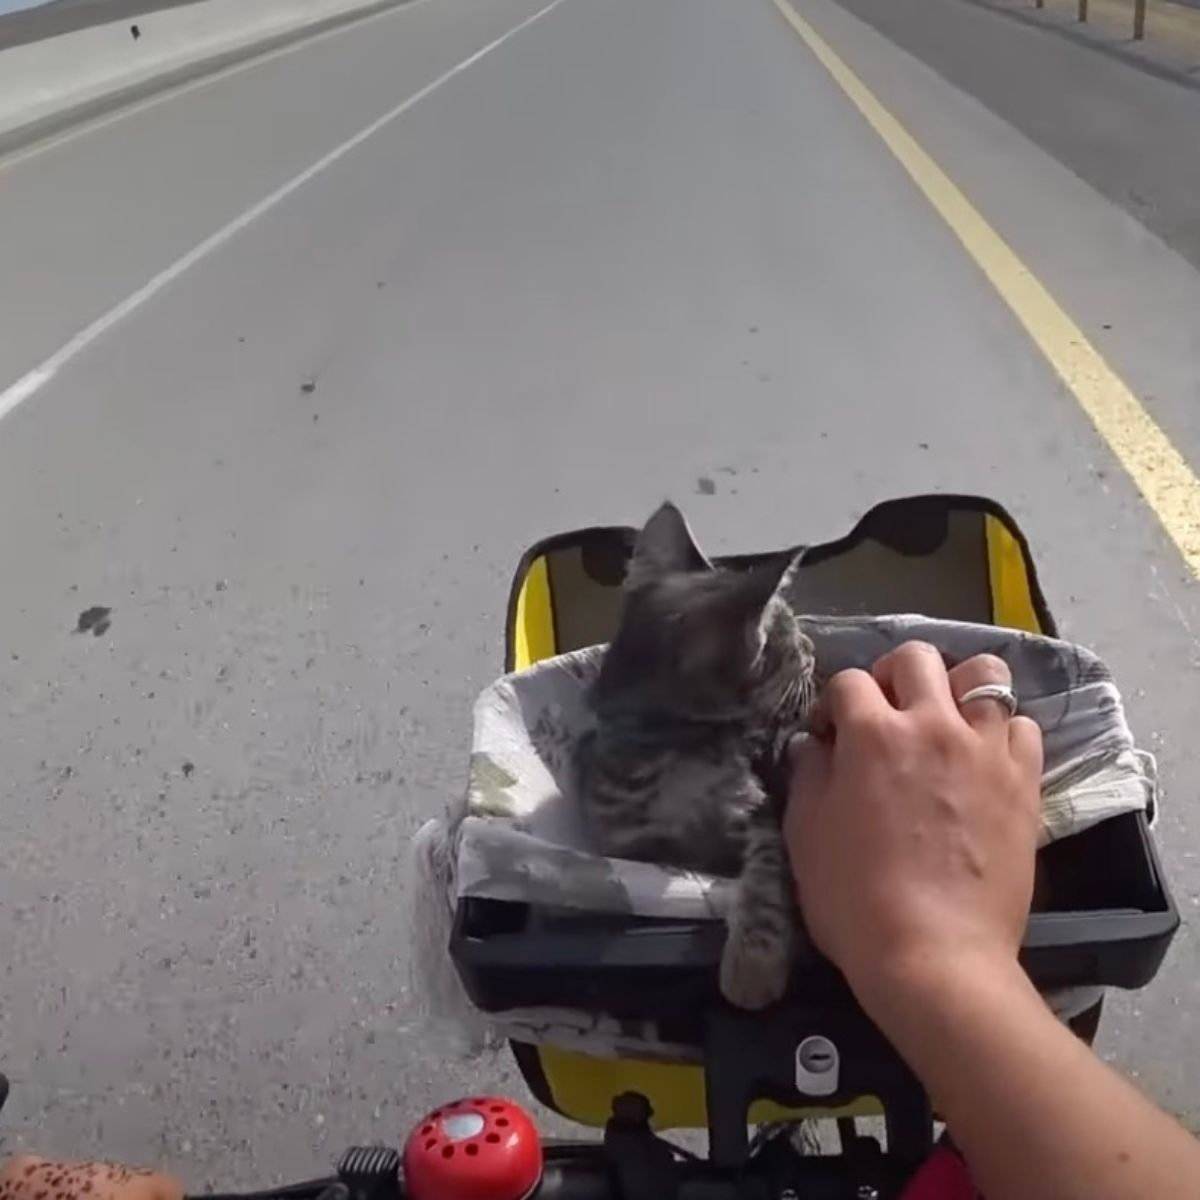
pixel 1035 1113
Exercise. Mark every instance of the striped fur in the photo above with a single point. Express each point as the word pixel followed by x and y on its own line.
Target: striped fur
pixel 707 674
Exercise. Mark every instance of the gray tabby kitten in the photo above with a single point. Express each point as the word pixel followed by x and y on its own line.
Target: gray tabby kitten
pixel 707 674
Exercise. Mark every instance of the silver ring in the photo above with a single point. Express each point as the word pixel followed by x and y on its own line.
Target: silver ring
pixel 992 691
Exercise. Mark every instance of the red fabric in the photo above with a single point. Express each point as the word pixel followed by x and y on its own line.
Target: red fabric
pixel 943 1176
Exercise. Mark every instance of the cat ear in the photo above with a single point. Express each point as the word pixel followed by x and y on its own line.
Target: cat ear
pixel 665 546
pixel 727 626
pixel 760 583
pixel 749 601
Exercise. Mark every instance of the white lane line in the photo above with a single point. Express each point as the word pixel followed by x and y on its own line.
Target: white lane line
pixel 33 381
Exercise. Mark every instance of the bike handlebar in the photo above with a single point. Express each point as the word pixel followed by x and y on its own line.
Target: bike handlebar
pixel 581 1171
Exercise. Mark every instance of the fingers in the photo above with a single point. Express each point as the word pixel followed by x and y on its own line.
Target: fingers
pixel 808 759
pixel 985 714
pixel 913 674
pixel 809 762
pixel 848 697
pixel 1025 743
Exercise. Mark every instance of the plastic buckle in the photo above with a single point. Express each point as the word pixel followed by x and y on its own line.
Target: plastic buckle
pixel 644 1166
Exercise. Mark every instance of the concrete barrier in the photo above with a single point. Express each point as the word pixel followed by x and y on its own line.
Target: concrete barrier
pixel 49 84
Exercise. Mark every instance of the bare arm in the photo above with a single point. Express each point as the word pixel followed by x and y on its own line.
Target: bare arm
pixel 29 1178
pixel 1034 1111
pixel 912 829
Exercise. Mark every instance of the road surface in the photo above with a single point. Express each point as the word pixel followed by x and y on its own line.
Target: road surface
pixel 356 328
pixel 1128 128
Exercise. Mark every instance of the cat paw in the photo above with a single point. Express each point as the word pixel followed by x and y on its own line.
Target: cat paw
pixel 754 973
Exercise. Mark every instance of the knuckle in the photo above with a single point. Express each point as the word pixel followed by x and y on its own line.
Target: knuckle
pixel 1027 733
pixel 798 749
pixel 849 677
pixel 1027 726
pixel 874 729
pixel 991 663
pixel 989 668
pixel 844 692
pixel 943 736
pixel 916 648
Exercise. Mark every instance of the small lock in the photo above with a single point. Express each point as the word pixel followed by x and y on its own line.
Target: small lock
pixel 817 1066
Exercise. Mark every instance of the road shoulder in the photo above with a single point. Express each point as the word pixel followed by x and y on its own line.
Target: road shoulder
pixel 49 85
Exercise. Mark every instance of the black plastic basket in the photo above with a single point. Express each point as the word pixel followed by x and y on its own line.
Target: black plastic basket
pixel 1104 916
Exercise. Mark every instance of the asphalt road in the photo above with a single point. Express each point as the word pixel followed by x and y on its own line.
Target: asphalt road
pixel 641 244
pixel 1128 128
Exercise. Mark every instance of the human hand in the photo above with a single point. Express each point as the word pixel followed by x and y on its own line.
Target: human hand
pixel 912 825
pixel 28 1178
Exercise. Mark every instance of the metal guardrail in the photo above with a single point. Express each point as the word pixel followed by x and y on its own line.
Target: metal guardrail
pixel 1139 16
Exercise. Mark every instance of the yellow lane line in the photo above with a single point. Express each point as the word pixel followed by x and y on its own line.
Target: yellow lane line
pixel 1160 472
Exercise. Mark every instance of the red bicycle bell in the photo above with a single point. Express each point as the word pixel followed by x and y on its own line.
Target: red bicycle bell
pixel 484 1148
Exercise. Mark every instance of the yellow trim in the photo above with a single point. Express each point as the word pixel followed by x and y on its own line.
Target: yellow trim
pixel 583 1089
pixel 533 632
pixel 1012 600
pixel 1162 475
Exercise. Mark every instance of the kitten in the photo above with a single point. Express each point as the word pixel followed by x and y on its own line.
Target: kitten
pixel 708 673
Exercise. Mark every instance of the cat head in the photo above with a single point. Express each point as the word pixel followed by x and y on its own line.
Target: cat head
pixel 703 643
